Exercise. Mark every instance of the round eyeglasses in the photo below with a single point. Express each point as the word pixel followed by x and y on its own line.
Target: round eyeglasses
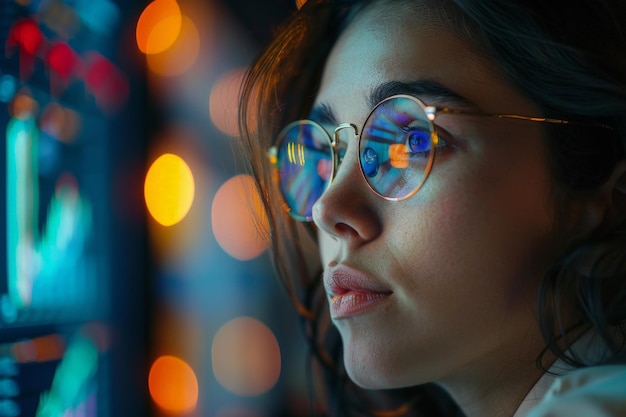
pixel 397 147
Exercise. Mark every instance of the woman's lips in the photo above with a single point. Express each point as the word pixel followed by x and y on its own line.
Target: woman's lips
pixel 351 292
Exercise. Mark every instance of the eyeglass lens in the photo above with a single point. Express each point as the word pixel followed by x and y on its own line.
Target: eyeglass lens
pixel 396 151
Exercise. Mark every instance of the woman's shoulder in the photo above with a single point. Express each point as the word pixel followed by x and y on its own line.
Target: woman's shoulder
pixel 598 391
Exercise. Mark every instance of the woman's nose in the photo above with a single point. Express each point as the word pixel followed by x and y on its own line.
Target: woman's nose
pixel 349 210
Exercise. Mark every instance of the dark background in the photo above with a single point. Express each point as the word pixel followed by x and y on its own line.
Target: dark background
pixel 146 291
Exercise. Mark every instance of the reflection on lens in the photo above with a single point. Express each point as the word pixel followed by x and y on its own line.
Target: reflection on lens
pixel 369 162
pixel 399 155
pixel 325 169
pixel 419 141
pixel 398 134
pixel 305 166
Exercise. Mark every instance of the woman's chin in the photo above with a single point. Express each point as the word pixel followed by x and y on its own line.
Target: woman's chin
pixel 370 375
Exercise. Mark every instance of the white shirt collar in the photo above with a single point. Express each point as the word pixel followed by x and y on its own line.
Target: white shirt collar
pixel 588 348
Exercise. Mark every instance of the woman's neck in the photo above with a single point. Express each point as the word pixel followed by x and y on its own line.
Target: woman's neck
pixel 496 385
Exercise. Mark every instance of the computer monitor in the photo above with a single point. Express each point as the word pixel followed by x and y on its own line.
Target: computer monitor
pixel 69 303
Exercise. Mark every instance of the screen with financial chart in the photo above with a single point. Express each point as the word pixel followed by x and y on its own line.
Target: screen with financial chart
pixel 61 88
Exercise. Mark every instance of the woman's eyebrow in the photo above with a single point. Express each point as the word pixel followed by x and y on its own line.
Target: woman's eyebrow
pixel 323 114
pixel 429 91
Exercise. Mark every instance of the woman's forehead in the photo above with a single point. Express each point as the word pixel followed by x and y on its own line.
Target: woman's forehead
pixel 384 44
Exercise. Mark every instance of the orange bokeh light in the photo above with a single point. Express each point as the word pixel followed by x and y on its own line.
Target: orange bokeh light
pixel 158 26
pixel 246 357
pixel 173 243
pixel 224 102
pixel 300 3
pixel 173 385
pixel 169 189
pixel 398 155
pixel 181 55
pixel 239 222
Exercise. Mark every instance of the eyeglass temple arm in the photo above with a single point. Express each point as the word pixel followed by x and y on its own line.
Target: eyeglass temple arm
pixel 431 110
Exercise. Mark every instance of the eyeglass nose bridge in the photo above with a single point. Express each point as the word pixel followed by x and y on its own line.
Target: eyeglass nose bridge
pixel 335 140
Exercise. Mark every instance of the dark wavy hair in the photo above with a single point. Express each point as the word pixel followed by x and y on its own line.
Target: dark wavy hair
pixel 569 61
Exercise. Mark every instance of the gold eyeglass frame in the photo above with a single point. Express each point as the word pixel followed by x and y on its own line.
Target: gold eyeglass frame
pixel 431 114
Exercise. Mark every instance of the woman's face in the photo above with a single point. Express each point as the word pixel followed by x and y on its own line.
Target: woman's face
pixel 439 287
